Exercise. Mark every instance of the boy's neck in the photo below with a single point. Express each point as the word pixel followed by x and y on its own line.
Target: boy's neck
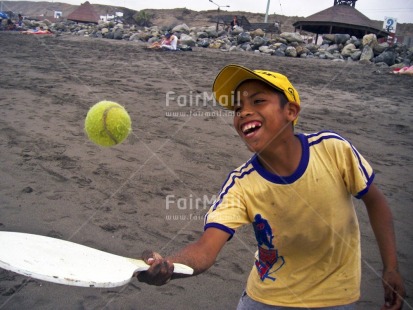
pixel 284 159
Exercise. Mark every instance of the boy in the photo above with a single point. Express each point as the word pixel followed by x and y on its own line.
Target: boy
pixel 296 191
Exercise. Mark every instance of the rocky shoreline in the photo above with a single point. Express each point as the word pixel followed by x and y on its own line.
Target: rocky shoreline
pixel 335 47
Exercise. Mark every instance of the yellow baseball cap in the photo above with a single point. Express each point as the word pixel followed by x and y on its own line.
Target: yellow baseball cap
pixel 231 76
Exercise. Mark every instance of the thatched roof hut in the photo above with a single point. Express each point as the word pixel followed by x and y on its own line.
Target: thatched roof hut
pixel 84 14
pixel 340 18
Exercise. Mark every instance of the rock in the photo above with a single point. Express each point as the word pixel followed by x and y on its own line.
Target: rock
pixel 328 55
pixel 203 43
pixel 118 34
pixel 329 37
pixel 257 42
pixel 348 50
pixel 225 46
pixel 388 57
pixel 380 48
pixel 237 31
pixel 291 52
pixel 365 62
pixel 27 190
pixel 355 55
pixel 266 50
pixel 281 40
pixel 46 22
pixel 109 35
pixel 82 32
pixel 280 47
pixel 215 45
pixel 257 32
pixel 212 33
pixel 312 47
pixel 278 52
pixel 302 50
pixel 381 65
pixel 355 41
pixel 243 38
pixel 183 28
pixel 341 38
pixel 292 37
pixel 332 48
pixel 221 33
pixel 135 37
pixel 144 36
pixel 246 47
pixel 367 53
pixel 369 40
pixel 323 47
pixel 187 40
pixel 327 42
pixel 202 35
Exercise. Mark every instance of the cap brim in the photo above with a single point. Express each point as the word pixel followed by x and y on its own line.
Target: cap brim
pixel 228 79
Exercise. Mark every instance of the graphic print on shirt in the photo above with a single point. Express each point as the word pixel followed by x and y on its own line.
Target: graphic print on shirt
pixel 267 253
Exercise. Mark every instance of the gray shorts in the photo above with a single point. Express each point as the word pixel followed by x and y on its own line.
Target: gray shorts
pixel 246 303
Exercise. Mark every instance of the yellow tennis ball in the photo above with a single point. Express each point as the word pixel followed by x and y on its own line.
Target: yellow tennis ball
pixel 107 123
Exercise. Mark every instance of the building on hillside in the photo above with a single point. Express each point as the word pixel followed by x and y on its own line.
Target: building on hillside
pixel 225 20
pixel 342 17
pixel 84 14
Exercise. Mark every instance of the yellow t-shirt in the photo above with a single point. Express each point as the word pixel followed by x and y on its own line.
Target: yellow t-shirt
pixel 305 224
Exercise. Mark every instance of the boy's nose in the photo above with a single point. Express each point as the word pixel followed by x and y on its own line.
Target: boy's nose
pixel 246 112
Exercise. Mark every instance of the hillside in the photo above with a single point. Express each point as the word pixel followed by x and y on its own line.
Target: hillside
pixel 167 17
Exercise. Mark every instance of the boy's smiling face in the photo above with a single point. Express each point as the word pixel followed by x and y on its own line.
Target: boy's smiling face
pixel 260 118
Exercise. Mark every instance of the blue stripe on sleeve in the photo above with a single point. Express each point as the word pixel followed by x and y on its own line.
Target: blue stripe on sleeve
pixel 221 227
pixel 364 191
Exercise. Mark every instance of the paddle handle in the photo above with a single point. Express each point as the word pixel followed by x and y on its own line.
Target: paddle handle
pixel 178 268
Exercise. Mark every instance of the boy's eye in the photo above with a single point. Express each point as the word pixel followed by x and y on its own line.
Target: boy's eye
pixel 258 101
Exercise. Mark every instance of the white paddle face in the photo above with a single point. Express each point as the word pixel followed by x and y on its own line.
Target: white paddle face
pixel 69 263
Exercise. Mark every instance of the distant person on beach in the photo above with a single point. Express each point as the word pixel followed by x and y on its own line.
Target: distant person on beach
pixel 39 30
pixel 10 25
pixel 297 192
pixel 158 44
pixel 173 42
pixel 170 42
pixel 234 23
pixel 20 20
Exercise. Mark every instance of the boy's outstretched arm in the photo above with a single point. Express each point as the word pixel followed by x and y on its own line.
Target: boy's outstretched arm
pixel 199 255
pixel 381 221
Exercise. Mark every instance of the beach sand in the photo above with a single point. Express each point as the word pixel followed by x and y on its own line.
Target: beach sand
pixel 152 191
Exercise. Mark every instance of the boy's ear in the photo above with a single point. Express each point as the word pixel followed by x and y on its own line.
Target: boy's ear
pixel 293 109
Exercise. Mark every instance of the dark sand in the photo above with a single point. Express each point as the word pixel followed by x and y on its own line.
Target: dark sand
pixel 55 182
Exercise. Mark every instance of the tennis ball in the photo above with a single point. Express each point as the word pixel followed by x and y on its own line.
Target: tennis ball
pixel 107 123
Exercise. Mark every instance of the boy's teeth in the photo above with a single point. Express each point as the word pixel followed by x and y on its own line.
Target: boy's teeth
pixel 250 127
